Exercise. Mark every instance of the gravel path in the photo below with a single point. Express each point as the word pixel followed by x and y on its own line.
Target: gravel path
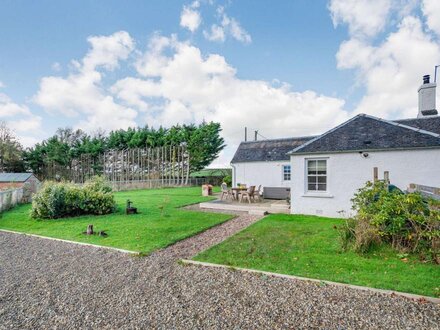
pixel 46 283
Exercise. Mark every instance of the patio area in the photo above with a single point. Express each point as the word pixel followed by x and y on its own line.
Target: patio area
pixel 261 207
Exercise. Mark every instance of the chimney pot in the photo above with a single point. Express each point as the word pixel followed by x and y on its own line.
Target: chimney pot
pixel 426 79
pixel 427 98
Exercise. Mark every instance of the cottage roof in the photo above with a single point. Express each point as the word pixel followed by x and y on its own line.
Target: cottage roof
pixel 431 124
pixel 364 132
pixel 267 150
pixel 14 177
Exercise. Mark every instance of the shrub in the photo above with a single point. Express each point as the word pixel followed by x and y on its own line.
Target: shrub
pixel 407 222
pixel 98 183
pixel 228 180
pixel 359 235
pixel 61 199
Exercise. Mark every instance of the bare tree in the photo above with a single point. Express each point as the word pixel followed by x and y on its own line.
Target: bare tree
pixel 10 150
pixel 70 136
pixel 99 133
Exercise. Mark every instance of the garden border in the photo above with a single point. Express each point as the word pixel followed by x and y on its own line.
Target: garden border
pixel 300 278
pixel 73 242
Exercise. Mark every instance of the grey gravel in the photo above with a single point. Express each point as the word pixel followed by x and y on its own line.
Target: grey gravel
pixel 52 284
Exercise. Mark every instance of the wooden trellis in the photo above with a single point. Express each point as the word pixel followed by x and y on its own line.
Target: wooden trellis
pixel 139 167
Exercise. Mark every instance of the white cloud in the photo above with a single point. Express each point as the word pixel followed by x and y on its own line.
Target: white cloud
pixel 150 63
pixel 190 87
pixel 391 69
pixel 431 9
pixel 227 26
pixel 107 51
pixel 190 17
pixel 10 109
pixel 81 93
pixel 56 67
pixel 235 29
pixel 131 90
pixel 30 124
pixel 2 85
pixel 363 17
pixel 20 119
pixel 217 33
pixel 354 53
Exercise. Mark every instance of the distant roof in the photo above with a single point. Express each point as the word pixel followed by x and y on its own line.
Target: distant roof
pixel 267 150
pixel 210 172
pixel 431 124
pixel 14 177
pixel 363 132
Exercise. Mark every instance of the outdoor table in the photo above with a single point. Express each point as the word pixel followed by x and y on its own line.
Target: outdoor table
pixel 236 191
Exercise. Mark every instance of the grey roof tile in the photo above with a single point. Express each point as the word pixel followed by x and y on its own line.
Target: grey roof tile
pixel 14 177
pixel 365 132
pixel 431 124
pixel 267 150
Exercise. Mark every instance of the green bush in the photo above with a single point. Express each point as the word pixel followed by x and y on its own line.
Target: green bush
pixel 98 183
pixel 228 180
pixel 407 222
pixel 61 199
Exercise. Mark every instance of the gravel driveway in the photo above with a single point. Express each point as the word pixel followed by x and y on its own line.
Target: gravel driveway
pixel 46 283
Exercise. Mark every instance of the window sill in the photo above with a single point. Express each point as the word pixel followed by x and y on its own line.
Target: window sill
pixel 317 195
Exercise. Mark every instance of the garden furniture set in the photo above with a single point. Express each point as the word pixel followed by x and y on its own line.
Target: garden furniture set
pixel 241 193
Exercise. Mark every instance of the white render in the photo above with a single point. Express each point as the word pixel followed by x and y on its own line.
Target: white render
pixel 347 172
pixel 267 174
pixel 426 99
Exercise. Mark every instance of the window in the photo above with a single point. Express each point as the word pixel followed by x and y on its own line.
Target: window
pixel 286 172
pixel 316 175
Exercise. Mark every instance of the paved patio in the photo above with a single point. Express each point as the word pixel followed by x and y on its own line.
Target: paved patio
pixel 260 207
pixel 51 284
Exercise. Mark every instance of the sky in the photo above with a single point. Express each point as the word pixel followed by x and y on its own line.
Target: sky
pixel 284 68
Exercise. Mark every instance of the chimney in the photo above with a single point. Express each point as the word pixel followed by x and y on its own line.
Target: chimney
pixel 427 98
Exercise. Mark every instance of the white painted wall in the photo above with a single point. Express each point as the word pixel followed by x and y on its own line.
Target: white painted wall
pixel 10 198
pixel 347 172
pixel 268 174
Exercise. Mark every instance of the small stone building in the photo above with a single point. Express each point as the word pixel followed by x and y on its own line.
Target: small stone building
pixel 28 181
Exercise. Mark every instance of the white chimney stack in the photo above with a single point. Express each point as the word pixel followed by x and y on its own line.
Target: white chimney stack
pixel 427 98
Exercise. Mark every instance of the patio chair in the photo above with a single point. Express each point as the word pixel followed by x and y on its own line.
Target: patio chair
pixel 248 194
pixel 258 194
pixel 226 192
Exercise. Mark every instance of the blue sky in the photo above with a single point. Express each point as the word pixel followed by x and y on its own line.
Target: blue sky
pixel 283 67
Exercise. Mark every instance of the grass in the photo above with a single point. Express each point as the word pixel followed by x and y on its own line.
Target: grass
pixel 158 225
pixel 308 246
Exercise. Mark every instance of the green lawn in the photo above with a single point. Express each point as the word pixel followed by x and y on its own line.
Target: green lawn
pixel 308 246
pixel 144 232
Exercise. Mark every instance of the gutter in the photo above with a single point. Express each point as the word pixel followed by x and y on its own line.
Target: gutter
pixel 233 174
pixel 324 152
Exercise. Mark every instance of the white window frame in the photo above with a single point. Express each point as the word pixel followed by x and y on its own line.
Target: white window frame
pixel 284 173
pixel 326 175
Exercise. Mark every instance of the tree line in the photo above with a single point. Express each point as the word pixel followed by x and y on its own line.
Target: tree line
pixel 203 143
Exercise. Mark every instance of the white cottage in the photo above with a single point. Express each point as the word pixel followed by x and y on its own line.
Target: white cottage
pixel 325 171
pixel 265 163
